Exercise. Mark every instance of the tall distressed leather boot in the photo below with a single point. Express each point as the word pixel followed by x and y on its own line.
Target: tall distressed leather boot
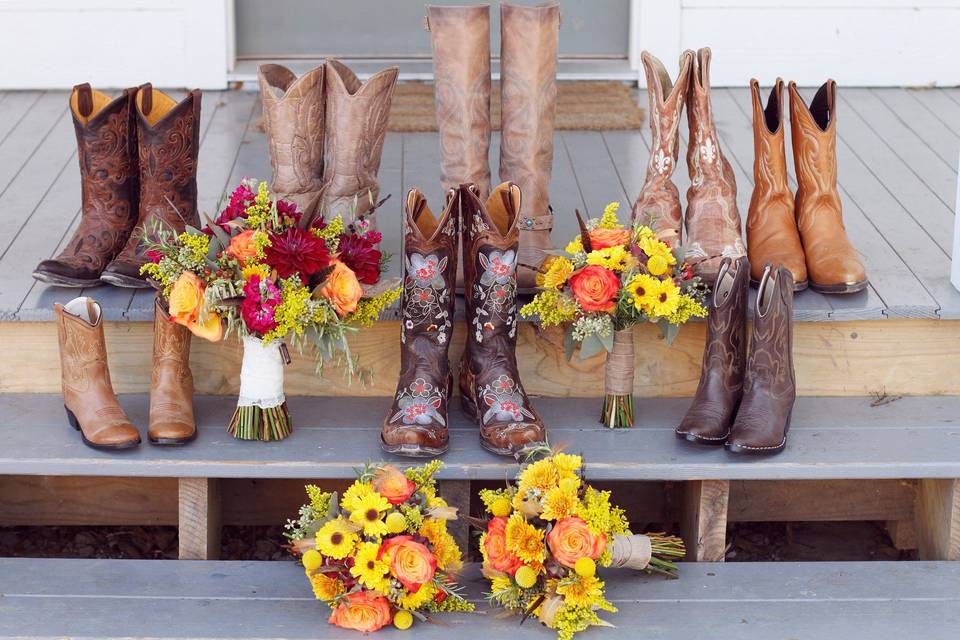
pixel 460 37
pixel 356 124
pixel 490 387
pixel 417 422
pixel 833 265
pixel 168 143
pixel 770 387
pixel 712 221
pixel 772 234
pixel 714 407
pixel 109 185
pixel 293 116
pixel 88 397
pixel 171 386
pixel 528 81
pixel 658 205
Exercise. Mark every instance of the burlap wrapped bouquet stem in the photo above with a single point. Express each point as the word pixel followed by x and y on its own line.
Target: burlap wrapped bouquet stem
pixel 618 381
pixel 631 552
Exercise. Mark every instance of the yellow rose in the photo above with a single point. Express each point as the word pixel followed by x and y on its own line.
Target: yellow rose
pixel 342 289
pixel 186 303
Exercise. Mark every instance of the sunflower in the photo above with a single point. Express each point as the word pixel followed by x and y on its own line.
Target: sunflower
pixel 356 491
pixel 325 587
pixel 368 570
pixel 524 539
pixel 368 513
pixel 336 539
pixel 558 503
pixel 558 270
pixel 643 288
pixel 581 591
pixel 667 298
pixel 251 270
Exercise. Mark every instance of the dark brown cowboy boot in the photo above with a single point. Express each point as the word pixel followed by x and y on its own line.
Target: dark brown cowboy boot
pixel 171 385
pixel 417 422
pixel 169 140
pixel 770 387
pixel 490 387
pixel 710 416
pixel 109 186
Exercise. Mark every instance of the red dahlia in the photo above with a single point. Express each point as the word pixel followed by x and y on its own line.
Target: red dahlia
pixel 361 256
pixel 296 251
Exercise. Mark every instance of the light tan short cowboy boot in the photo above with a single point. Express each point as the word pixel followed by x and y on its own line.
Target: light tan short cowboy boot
pixel 171 386
pixel 658 205
pixel 712 220
pixel 88 396
pixel 293 115
pixel 528 81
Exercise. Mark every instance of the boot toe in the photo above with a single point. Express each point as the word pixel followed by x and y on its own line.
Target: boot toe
pixel 415 440
pixel 117 436
pixel 123 274
pixel 513 438
pixel 837 270
pixel 707 422
pixel 57 273
pixel 172 432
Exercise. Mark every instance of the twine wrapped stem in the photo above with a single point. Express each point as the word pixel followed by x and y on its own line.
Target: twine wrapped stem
pixel 618 382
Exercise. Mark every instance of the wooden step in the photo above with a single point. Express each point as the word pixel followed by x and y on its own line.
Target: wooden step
pixel 55 598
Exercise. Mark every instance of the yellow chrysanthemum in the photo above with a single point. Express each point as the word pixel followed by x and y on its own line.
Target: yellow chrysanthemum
pixel 581 591
pixel 643 233
pixel 644 289
pixel 567 464
pixel 560 503
pixel 368 514
pixel 325 587
pixel 609 218
pixel 336 539
pixel 445 548
pixel 575 246
pixel 500 583
pixel 368 570
pixel 541 474
pixel 355 492
pixel 615 258
pixel 667 299
pixel 653 247
pixel 413 601
pixel 524 539
pixel 558 270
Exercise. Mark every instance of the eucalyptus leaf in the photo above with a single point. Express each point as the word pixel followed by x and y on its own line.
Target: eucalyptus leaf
pixel 220 234
pixel 590 346
pixel 569 345
pixel 334 509
pixel 669 331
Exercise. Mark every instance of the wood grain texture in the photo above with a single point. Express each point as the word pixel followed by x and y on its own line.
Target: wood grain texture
pixel 903 534
pixel 938 520
pixel 821 500
pixel 704 519
pixel 199 518
pixel 459 494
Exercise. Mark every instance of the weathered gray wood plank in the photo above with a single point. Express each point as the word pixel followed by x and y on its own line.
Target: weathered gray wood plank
pixel 912 110
pixel 942 104
pixel 14 108
pixel 595 175
pixel 28 135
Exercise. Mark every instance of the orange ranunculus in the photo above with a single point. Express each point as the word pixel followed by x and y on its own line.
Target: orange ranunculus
pixel 393 485
pixel 410 562
pixel 495 547
pixel 185 304
pixel 594 288
pixel 605 238
pixel 362 611
pixel 571 539
pixel 342 289
pixel 242 247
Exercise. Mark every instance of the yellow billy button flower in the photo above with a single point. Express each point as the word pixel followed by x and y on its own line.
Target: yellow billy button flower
pixel 312 560
pixel 525 577
pixel 403 620
pixel 396 523
pixel 585 567
pixel 501 507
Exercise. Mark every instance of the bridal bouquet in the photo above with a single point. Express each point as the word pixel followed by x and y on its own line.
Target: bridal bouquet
pixel 606 280
pixel 261 271
pixel 545 538
pixel 381 553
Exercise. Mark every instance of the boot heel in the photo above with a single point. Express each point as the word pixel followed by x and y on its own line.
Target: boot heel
pixel 72 419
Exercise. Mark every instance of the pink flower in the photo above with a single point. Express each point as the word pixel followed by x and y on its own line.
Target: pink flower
pixel 259 305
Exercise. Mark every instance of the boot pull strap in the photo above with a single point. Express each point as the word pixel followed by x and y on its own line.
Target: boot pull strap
pixel 84 99
pixel 146 98
pixel 426 23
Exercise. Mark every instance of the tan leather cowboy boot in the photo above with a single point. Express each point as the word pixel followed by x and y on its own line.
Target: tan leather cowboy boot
pixel 772 234
pixel 528 81
pixel 658 205
pixel 109 186
pixel 88 396
pixel 416 424
pixel 714 406
pixel 171 386
pixel 168 143
pixel 712 221
pixel 833 265
pixel 770 387
pixel 356 124
pixel 490 387
pixel 460 37
pixel 293 114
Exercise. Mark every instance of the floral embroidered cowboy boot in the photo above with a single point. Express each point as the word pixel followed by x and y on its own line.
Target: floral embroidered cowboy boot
pixel 417 422
pixel 490 387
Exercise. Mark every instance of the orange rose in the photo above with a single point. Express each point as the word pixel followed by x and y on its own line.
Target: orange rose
pixel 594 288
pixel 186 301
pixel 495 547
pixel 242 247
pixel 361 611
pixel 605 238
pixel 342 289
pixel 571 539
pixel 410 562
pixel 393 485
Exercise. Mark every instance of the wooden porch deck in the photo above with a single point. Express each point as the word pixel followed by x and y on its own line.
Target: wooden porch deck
pixel 897 151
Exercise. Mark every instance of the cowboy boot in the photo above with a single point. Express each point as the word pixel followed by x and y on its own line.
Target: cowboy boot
pixel 109 187
pixel 528 81
pixel 417 422
pixel 460 37
pixel 713 222
pixel 171 386
pixel 169 140
pixel 772 235
pixel 490 387
pixel 770 387
pixel 710 416
pixel 833 265
pixel 658 205
pixel 356 123
pixel 88 397
pixel 293 113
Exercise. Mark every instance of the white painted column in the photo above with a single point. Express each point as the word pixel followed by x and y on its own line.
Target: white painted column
pixel 955 269
pixel 656 28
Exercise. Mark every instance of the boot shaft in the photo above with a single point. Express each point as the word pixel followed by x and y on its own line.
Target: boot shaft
pixel 814 136
pixel 83 353
pixel 171 349
pixel 726 345
pixel 770 363
pixel 769 149
pixel 705 162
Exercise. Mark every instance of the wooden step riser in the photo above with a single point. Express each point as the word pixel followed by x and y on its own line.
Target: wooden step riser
pixel 894 357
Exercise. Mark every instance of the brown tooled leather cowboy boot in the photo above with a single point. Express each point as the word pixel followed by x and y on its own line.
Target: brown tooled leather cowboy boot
pixel 88 396
pixel 769 387
pixel 712 220
pixel 490 387
pixel 417 422
pixel 528 82
pixel 169 140
pixel 833 265
pixel 356 124
pixel 772 235
pixel 109 186
pixel 658 205
pixel 171 386
pixel 293 115
pixel 710 416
